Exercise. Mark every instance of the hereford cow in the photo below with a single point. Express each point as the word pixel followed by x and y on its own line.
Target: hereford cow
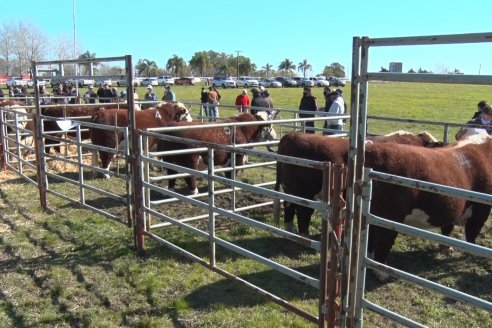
pixel 306 182
pixel 160 116
pixel 16 110
pixel 465 165
pixel 216 135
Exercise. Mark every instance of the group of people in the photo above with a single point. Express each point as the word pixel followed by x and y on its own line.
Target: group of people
pixel 482 119
pixel 210 103
pixel 260 99
pixel 334 104
pixel 150 95
pixel 66 93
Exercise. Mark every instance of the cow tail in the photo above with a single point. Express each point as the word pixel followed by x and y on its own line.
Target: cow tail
pixel 276 201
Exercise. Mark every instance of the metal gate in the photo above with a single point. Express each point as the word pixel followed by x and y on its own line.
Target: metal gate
pixel 359 184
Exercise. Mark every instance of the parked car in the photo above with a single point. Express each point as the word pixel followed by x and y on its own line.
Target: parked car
pixel 305 82
pixel 149 81
pixel 246 82
pixel 286 81
pixel 270 83
pixel 224 82
pixel 121 82
pixel 335 81
pixel 184 81
pixel 103 82
pixel 16 82
pixel 163 80
pixel 41 82
pixel 320 81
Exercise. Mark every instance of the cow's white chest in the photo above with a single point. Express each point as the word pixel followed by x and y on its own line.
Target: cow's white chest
pixel 418 218
pixel 463 218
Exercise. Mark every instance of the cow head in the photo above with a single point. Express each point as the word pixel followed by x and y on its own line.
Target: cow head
pixel 267 132
pixel 16 111
pixel 182 113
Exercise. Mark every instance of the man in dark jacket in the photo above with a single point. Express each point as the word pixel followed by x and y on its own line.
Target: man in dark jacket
pixel 258 101
pixel 308 103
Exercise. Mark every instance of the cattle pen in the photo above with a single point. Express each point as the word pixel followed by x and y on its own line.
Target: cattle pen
pixel 151 209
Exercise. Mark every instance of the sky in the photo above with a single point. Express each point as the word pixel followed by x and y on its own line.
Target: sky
pixel 266 31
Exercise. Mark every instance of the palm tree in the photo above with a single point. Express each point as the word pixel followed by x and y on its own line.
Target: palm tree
pixel 87 66
pixel 176 65
pixel 145 66
pixel 304 66
pixel 287 65
pixel 267 69
pixel 200 61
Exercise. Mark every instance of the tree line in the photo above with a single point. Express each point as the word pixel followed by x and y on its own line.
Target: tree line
pixel 21 43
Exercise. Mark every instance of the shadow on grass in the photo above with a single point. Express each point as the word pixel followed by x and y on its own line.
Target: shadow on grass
pixel 464 270
pixel 231 293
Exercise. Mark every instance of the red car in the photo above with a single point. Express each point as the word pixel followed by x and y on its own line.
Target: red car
pixel 184 81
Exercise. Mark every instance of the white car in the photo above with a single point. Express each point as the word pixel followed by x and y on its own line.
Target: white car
pixel 149 81
pixel 103 82
pixel 270 83
pixel 320 81
pixel 246 82
pixel 16 82
pixel 30 83
pixel 224 82
pixel 163 80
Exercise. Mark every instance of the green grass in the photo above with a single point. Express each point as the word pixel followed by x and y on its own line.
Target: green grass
pixel 75 268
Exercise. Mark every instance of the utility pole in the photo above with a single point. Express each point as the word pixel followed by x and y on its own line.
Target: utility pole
pixel 237 57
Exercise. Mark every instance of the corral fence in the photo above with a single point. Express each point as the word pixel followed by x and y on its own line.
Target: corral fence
pixel 360 185
pixel 148 204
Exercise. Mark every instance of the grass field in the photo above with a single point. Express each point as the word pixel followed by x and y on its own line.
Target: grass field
pixel 73 268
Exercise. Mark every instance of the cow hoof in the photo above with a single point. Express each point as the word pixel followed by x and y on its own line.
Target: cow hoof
pixel 381 276
pixel 289 226
pixel 446 249
pixel 194 192
pixel 106 176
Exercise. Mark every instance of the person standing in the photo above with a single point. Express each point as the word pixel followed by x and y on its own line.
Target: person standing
pixel 204 101
pixel 90 96
pixel 308 103
pixel 149 96
pixel 242 101
pixel 258 101
pixel 338 108
pixel 483 121
pixel 168 94
pixel 105 94
pixel 213 100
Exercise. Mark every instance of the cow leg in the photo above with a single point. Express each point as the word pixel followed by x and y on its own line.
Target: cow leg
pixel 191 182
pixel 446 230
pixel 303 220
pixel 105 162
pixel 382 241
pixel 290 211
pixel 171 184
pixel 475 223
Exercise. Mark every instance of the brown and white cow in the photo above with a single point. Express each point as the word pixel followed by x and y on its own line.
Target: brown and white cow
pixel 465 165
pixel 161 116
pixel 306 182
pixel 216 135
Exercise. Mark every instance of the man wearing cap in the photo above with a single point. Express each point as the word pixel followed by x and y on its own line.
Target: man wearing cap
pixel 337 107
pixel 168 94
pixel 258 101
pixel 308 103
pixel 149 96
pixel 90 96
pixel 105 94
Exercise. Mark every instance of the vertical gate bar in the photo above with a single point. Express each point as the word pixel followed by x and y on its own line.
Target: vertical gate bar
pixel 364 236
pixel 211 205
pixel 350 237
pixel 146 168
pixel 233 172
pixel 39 145
pixel 3 165
pixel 81 169
pixel 325 305
pixel 361 146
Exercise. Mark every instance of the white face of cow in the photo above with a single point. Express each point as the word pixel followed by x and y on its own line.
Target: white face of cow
pixel 267 132
pixel 19 112
pixel 185 116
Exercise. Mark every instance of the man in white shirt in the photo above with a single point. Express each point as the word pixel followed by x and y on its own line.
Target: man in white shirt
pixel 337 107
